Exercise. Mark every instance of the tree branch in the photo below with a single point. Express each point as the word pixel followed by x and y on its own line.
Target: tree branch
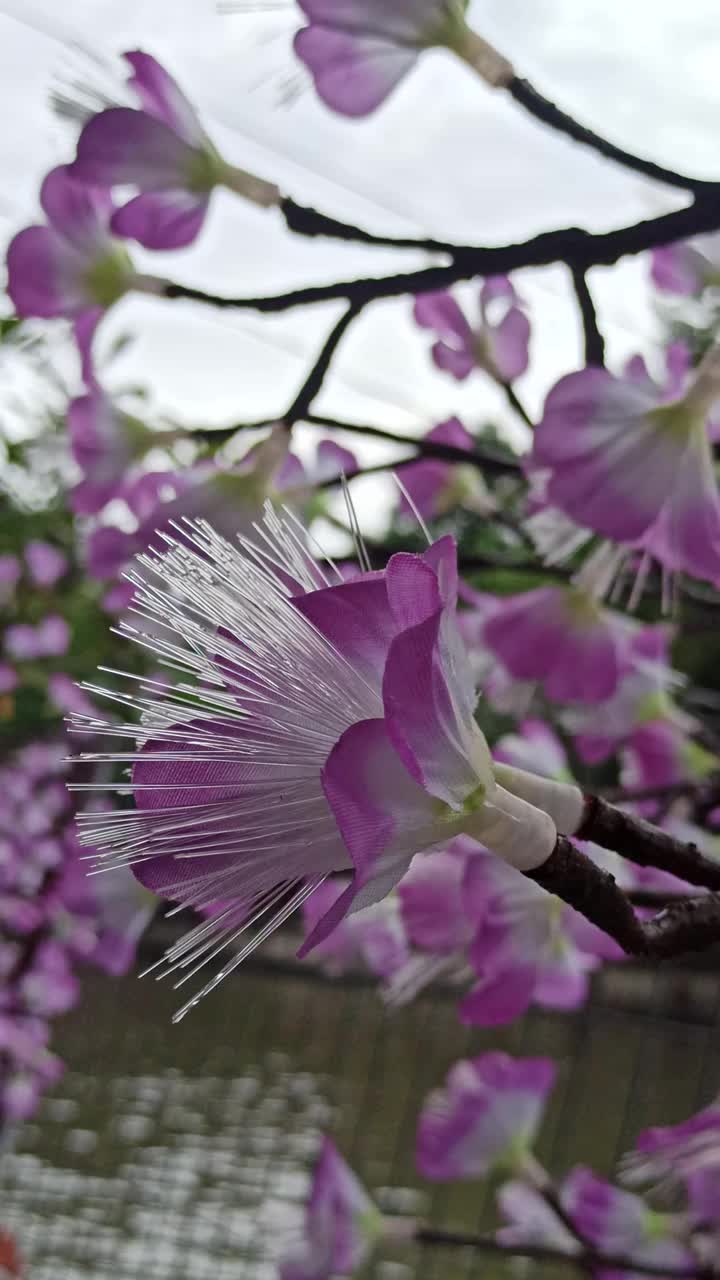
pixel 306 221
pixel 691 924
pixel 639 841
pixel 571 245
pixel 594 341
pixel 527 96
pixel 314 381
pixel 485 460
pixel 585 1259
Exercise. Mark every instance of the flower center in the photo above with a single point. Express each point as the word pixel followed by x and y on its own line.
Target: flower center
pixel 108 277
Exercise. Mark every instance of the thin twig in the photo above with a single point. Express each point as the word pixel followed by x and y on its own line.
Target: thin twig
pixel 527 96
pixel 481 457
pixel 571 245
pixel 594 341
pixel 586 1259
pixel 649 846
pixel 312 385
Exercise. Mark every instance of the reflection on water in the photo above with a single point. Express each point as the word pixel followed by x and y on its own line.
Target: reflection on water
pixel 181 1153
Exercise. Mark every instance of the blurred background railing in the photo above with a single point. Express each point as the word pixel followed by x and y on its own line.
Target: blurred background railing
pixel 181 1152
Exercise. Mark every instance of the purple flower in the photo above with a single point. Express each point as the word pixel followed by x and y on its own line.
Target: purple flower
pixel 373 939
pixel 435 487
pixel 688 267
pixel 626 464
pixel 104 443
pixel 49 639
pixel 231 500
pixel 617 1222
pixel 162 150
pixel 497 343
pixel 485 1118
pixel 660 753
pixel 357 51
pixel 332 730
pixel 523 951
pixel 562 638
pixel 71 266
pixel 341 1223
pixel 46 563
pixel 688 1153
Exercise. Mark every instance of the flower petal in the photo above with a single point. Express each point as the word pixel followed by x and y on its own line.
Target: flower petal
pixel 353 74
pixel 122 145
pixel 509 342
pixel 686 535
pixel 426 711
pixel 162 219
pixel 613 464
pixel 163 98
pixel 357 620
pixel 440 312
pixel 80 213
pixel 45 274
pixel 458 363
pixel 499 998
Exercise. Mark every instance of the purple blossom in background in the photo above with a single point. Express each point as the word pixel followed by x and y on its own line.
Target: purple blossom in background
pixel 498 343
pixel 523 950
pixel 689 267
pixel 46 564
pixel 678 371
pixel 436 487
pixel 617 1222
pixel 358 51
pixel 373 939
pixel 71 266
pixel 53 918
pixel 486 1117
pixel 686 1153
pixel 341 1223
pixel 625 463
pixel 48 639
pixel 163 150
pixel 104 442
pixel 231 500
pixel 562 638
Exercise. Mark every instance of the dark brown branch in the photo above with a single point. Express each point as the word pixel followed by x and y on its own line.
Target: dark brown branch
pixel 544 110
pixel 314 381
pixel 484 459
pixel 306 221
pixel 585 1259
pixel 516 403
pixel 645 844
pixel 572 876
pixel 571 245
pixel 594 341
pixel 691 924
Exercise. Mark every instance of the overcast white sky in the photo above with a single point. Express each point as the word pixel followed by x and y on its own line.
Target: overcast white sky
pixel 444 156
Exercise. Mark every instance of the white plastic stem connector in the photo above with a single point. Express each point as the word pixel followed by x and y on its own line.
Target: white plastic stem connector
pixel 563 801
pixel 491 66
pixel 516 831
